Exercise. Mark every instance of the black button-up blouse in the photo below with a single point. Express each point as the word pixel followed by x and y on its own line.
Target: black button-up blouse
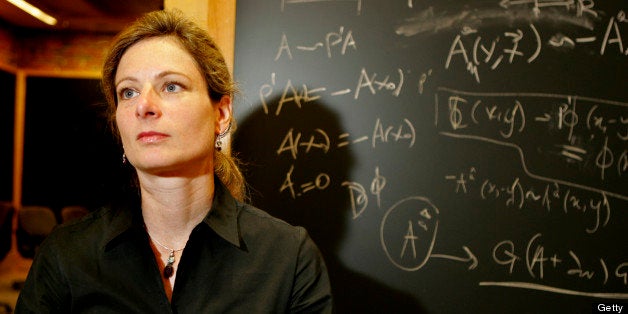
pixel 238 260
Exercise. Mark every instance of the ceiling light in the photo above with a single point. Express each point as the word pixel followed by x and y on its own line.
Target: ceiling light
pixel 34 11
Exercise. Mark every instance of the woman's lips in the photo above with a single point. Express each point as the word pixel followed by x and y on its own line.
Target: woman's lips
pixel 151 137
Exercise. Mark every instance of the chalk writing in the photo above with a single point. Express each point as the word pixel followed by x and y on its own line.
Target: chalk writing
pixel 341 40
pixel 422 226
pixel 565 188
pixel 611 39
pixel 431 20
pixel 420 232
pixel 359 196
pixel 536 259
pixel 291 94
pixel 412 247
pixel 582 132
pixel 548 197
pixel 295 142
pixel 320 182
pixel 358 3
pixel 374 85
pixel 492 52
pixel 582 7
pixel 510 119
pixel 402 132
pixel 612 36
pixel 291 143
pixel 476 52
pixel 370 83
pixel 423 80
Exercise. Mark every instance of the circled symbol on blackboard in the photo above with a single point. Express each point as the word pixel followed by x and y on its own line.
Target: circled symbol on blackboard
pixel 408 231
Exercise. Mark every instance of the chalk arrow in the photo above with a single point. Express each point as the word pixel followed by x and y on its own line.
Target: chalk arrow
pixel 470 258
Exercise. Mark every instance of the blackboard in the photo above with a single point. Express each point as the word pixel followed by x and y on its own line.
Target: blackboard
pixel 446 156
pixel 7 114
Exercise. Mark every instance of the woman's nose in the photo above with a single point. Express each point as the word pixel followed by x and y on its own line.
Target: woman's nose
pixel 148 104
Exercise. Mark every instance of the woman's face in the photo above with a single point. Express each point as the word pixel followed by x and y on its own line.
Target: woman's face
pixel 166 119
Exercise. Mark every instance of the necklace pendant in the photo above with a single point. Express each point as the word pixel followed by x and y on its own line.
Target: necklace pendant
pixel 169 270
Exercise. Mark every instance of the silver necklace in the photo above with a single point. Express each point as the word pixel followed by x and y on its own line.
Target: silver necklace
pixel 169 269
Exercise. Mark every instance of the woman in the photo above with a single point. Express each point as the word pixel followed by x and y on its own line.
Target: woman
pixel 189 245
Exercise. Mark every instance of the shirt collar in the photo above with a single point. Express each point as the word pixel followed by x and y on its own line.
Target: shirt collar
pixel 222 218
pixel 119 218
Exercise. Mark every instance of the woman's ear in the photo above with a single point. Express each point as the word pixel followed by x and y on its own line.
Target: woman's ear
pixel 224 111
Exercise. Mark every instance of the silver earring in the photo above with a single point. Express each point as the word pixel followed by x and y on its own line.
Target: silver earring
pixel 220 136
pixel 123 158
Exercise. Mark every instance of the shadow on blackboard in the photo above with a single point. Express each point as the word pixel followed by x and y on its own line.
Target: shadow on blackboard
pixel 294 168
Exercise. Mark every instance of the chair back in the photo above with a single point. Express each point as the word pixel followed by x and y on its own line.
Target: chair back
pixel 6 228
pixel 34 224
pixel 70 213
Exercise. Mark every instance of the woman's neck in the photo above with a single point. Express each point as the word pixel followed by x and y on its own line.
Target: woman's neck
pixel 172 207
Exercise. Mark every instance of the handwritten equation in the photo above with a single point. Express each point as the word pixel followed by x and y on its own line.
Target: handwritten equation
pixel 409 232
pixel 299 95
pixel 544 197
pixel 335 42
pixel 476 52
pixel 582 133
pixel 538 260
pixel 356 192
pixel 490 53
pixel 297 142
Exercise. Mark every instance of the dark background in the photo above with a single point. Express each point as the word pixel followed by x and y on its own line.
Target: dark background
pixel 396 194
pixel 70 156
pixel 7 114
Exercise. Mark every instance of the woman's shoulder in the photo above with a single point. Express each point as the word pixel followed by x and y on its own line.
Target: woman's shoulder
pixel 94 227
pixel 96 217
pixel 256 221
pixel 268 235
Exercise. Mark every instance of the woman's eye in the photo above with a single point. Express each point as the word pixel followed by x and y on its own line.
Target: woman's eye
pixel 172 87
pixel 128 94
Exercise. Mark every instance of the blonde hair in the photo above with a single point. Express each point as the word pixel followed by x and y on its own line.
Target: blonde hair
pixel 209 60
